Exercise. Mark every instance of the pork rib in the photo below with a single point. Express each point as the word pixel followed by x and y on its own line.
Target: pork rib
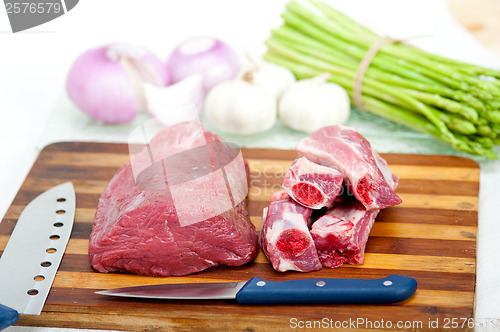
pixel 285 237
pixel 312 185
pixel 340 236
pixel 366 174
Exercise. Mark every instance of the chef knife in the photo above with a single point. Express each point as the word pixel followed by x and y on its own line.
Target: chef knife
pixel 391 289
pixel 32 256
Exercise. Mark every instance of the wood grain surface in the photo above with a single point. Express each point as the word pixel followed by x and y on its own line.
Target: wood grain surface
pixel 431 237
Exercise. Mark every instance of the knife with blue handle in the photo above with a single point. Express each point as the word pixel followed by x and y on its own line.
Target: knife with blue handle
pixel 35 249
pixel 8 316
pixel 391 289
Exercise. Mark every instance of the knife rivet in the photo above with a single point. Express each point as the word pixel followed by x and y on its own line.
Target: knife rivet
pixel 387 283
pixel 261 283
pixel 320 283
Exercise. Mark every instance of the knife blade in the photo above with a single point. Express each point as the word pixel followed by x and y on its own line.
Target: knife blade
pixel 32 256
pixel 391 289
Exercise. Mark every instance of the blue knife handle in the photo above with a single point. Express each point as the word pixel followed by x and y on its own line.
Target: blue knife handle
pixel 391 289
pixel 8 316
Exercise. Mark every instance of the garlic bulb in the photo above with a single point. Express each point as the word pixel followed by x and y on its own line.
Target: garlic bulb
pixel 270 77
pixel 313 103
pixel 239 106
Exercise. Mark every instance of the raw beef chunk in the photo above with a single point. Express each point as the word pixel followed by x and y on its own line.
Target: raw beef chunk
pixel 177 208
pixel 366 174
pixel 341 234
pixel 279 195
pixel 312 185
pixel 285 237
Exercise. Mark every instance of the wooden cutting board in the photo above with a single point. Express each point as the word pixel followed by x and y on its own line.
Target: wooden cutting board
pixel 431 236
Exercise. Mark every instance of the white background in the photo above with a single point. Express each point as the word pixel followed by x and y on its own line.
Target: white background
pixel 34 64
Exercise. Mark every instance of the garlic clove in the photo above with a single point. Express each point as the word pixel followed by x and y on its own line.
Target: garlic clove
pixel 164 103
pixel 141 66
pixel 135 58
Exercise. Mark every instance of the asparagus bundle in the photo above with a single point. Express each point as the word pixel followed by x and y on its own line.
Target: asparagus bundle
pixel 456 102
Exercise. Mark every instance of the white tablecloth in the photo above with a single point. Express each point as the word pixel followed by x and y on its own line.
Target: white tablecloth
pixel 34 109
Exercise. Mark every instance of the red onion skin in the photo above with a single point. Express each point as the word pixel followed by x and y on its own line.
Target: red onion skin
pixel 217 64
pixel 159 66
pixel 103 89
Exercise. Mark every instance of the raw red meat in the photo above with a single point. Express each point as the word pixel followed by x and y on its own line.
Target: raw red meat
pixel 312 185
pixel 285 237
pixel 177 208
pixel 279 195
pixel 366 174
pixel 341 234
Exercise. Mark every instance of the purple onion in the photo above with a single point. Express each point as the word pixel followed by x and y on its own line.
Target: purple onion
pixel 100 86
pixel 206 56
